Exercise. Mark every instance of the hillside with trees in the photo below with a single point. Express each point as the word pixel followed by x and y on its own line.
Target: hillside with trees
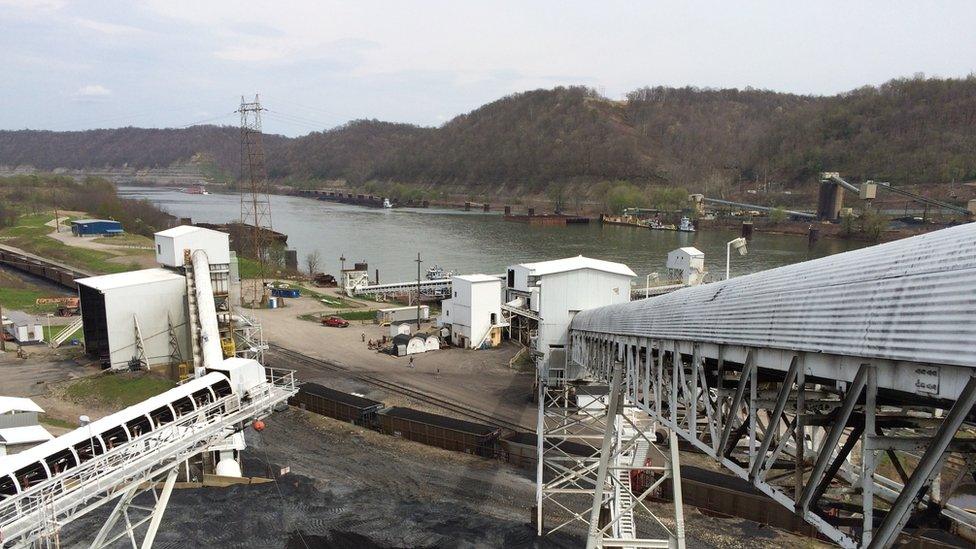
pixel 906 131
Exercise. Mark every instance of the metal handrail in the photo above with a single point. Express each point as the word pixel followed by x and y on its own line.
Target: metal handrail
pixel 107 475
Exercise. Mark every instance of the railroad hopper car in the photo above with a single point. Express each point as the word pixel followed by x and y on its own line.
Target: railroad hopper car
pixel 336 404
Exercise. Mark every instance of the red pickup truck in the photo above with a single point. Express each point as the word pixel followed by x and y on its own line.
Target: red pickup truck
pixel 335 322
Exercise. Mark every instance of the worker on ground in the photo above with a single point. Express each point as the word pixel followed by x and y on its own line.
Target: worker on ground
pixel 364 337
pixel 410 365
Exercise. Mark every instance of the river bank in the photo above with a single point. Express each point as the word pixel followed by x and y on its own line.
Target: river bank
pixel 473 242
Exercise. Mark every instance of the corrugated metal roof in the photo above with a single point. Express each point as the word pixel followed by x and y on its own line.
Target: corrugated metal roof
pixel 25 435
pixel 130 278
pixel 912 299
pixel 576 263
pixel 18 404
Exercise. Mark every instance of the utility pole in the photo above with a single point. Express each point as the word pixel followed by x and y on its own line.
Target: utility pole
pixel 418 289
pixel 3 332
pixel 255 203
pixel 57 221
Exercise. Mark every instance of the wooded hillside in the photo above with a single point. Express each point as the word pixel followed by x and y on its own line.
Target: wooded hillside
pixel 905 131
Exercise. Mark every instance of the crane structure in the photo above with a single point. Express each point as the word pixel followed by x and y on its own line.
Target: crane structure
pixel 830 200
pixel 140 449
pixel 803 380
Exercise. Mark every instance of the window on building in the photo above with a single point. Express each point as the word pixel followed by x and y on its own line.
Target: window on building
pixel 494 319
pixel 159 248
pixel 511 278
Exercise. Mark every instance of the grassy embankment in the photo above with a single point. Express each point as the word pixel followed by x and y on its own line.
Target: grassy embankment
pixel 30 233
pixel 116 390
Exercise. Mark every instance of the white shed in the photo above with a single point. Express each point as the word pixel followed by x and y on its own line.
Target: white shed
pixel 409 345
pixel 23 327
pixel 19 428
pixel 113 305
pixel 398 329
pixel 431 342
pixel 686 264
pixel 171 243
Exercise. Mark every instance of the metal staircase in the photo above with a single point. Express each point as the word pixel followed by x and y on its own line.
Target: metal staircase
pixel 66 332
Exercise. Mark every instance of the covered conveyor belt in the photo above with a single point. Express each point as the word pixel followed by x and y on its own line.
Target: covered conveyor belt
pixel 800 379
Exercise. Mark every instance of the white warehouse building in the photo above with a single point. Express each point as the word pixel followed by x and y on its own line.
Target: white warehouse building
pixel 171 243
pixel 551 293
pixel 117 307
pixel 474 311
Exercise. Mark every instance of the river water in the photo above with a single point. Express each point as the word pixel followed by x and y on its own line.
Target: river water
pixel 475 242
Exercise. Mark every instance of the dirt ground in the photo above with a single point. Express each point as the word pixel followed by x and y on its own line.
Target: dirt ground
pixel 349 487
pixel 353 488
pixel 479 378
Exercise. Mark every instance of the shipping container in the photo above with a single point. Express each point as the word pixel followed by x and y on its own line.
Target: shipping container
pixel 336 404
pixel 440 431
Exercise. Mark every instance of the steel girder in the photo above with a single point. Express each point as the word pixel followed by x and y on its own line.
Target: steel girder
pixel 822 436
pixel 590 447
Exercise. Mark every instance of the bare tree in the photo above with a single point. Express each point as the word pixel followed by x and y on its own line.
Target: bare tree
pixel 312 261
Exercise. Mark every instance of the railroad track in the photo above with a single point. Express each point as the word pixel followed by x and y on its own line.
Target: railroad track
pixel 439 402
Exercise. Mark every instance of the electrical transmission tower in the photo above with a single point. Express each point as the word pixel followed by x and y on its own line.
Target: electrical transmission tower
pixel 255 204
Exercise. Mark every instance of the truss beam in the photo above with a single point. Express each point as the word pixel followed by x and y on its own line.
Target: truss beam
pixel 754 410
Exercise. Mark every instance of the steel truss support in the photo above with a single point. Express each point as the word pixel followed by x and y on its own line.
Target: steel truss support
pixel 153 515
pixel 809 443
pixel 598 461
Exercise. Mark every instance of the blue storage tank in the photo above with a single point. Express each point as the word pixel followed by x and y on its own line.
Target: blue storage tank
pixel 90 227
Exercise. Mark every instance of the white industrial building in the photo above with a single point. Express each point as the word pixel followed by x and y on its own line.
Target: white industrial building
pixel 548 294
pixel 19 426
pixel 474 311
pixel 128 316
pixel 686 265
pixel 171 243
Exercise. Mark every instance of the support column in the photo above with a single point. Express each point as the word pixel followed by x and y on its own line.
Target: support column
pixel 594 537
pixel 160 509
pixel 868 456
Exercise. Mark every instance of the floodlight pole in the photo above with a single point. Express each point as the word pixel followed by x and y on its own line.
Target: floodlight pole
pixel 418 290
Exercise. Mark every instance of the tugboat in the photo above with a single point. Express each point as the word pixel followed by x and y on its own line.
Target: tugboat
pixel 198 190
pixel 686 226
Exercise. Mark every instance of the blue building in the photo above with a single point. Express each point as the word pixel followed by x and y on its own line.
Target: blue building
pixel 92 227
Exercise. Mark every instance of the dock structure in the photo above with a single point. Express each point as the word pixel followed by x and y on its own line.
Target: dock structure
pixel 798 380
pixel 436 287
pixel 428 287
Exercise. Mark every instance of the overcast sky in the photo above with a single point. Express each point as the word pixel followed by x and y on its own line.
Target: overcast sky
pixel 71 65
